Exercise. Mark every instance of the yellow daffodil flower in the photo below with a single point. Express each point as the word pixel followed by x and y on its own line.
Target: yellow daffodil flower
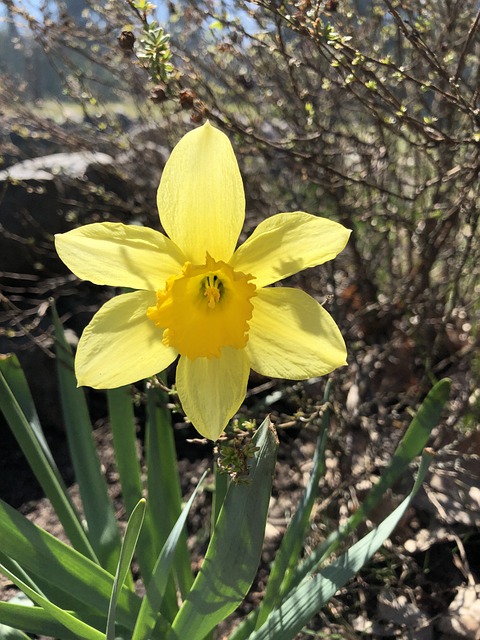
pixel 197 297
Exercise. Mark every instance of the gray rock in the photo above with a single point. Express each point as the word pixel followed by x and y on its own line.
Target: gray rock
pixel 71 165
pixel 48 195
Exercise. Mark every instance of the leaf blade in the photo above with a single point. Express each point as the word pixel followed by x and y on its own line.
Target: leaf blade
pixel 42 555
pixel 65 618
pixel 234 551
pixel 19 410
pixel 102 526
pixel 410 446
pixel 130 540
pixel 314 591
pixel 159 580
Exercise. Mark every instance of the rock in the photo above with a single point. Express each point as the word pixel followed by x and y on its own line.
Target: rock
pixel 71 165
pixel 48 195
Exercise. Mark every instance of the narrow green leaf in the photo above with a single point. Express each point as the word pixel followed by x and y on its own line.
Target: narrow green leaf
pixel 16 380
pixel 15 568
pixel 294 538
pixel 427 417
pixel 292 544
pixel 132 532
pixel 102 527
pixel 42 555
pixel 38 583
pixel 220 491
pixel 33 620
pixel 235 548
pixel 414 439
pixel 19 410
pixel 122 421
pixel 410 446
pixel 9 633
pixel 286 621
pixel 70 622
pixel 164 493
pixel 36 620
pixel 147 618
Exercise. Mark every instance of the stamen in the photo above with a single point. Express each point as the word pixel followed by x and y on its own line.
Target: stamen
pixel 212 290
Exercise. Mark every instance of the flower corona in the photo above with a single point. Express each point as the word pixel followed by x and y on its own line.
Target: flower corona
pixel 204 309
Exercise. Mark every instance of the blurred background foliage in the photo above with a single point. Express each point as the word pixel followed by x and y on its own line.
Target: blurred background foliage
pixel 366 112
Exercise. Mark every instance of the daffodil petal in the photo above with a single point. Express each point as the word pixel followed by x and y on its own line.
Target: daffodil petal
pixel 211 390
pixel 287 243
pixel 200 199
pixel 292 336
pixel 118 255
pixel 120 345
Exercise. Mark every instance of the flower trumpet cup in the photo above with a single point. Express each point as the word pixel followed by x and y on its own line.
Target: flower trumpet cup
pixel 197 297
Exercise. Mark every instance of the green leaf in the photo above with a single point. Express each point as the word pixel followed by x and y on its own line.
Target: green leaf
pixel 51 562
pixel 132 532
pixel 235 548
pixel 65 618
pixel 33 620
pixel 427 417
pixel 292 543
pixel 18 407
pixel 122 421
pixel 17 382
pixel 222 482
pixel 410 446
pixel 9 633
pixel 164 493
pixel 102 527
pixel 286 621
pixel 290 549
pixel 147 618
pixel 36 620
pixel 413 441
pixel 15 568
